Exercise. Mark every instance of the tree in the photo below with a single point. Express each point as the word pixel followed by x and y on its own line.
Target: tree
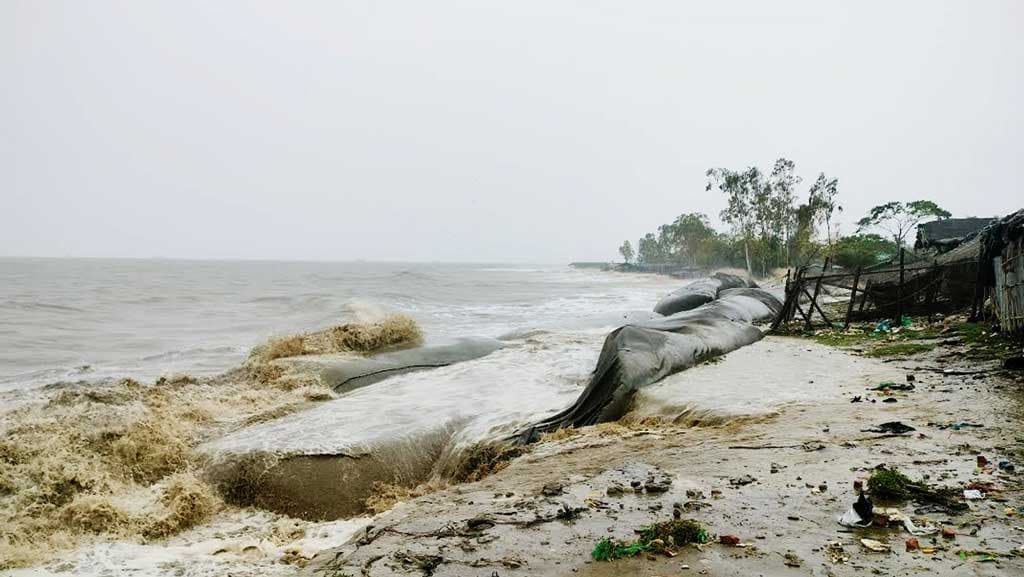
pixel 780 213
pixel 692 236
pixel 626 250
pixel 647 249
pixel 740 189
pixel 802 242
pixel 863 250
pixel 898 219
pixel 666 242
pixel 822 203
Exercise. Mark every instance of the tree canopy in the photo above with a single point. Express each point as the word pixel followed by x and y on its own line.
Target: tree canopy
pixel 863 250
pixel 626 250
pixel 763 214
pixel 898 218
pixel 771 227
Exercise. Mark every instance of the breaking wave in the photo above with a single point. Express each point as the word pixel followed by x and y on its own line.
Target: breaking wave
pixel 100 461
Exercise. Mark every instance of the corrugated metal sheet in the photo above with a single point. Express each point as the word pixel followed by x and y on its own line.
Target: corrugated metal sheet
pixel 1009 272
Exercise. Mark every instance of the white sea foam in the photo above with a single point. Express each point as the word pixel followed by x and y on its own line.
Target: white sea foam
pixel 252 543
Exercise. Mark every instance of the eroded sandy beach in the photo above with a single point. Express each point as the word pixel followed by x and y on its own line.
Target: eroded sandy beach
pixel 777 480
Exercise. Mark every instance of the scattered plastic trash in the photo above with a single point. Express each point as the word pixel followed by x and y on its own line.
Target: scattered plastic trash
pixel 732 540
pixel 860 514
pixel 983 486
pixel 973 494
pixel 851 519
pixel 876 546
pixel 913 529
pixel 982 461
pixel 1006 466
pixel 864 507
pixel 892 427
pixel 913 544
pixel 888 516
pixel 963 425
pixel 982 556
pixel 948 533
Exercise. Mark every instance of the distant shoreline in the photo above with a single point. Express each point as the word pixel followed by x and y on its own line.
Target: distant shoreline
pixel 672 270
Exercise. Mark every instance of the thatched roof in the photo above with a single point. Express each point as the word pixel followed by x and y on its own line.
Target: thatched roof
pixel 994 240
pixel 948 229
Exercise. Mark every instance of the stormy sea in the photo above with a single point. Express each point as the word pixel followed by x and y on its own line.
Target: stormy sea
pixel 113 372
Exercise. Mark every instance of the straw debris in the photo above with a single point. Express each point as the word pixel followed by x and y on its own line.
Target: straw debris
pixel 354 338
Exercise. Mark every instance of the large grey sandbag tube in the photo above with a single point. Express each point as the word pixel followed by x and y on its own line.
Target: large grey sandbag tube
pixel 347 374
pixel 324 462
pixel 698 293
pixel 643 353
pixel 280 466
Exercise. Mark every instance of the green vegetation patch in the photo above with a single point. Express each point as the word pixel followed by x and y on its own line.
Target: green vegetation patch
pixel 834 339
pixel 612 549
pixel 984 344
pixel 900 350
pixel 890 484
pixel 674 533
pixel 656 537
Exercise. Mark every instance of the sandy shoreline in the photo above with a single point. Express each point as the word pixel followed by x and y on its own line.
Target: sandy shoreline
pixel 546 511
pixel 762 443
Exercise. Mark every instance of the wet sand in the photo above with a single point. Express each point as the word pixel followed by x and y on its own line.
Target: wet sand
pixel 544 513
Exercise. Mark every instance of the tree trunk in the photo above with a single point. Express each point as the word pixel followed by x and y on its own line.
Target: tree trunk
pixel 828 235
pixel 746 256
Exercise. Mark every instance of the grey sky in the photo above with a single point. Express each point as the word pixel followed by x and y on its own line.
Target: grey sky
pixel 487 131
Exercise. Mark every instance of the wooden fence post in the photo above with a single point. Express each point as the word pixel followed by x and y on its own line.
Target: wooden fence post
pixel 814 299
pixel 898 321
pixel 853 297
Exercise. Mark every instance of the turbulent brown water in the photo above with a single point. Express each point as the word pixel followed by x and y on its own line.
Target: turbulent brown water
pixel 88 462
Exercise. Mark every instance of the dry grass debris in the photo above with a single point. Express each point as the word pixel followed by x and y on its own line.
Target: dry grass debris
pixel 117 460
pixel 352 337
pixel 355 338
pixel 387 495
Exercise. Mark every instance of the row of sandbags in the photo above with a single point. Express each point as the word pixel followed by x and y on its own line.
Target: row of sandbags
pixel 640 354
pixel 700 292
pixel 325 462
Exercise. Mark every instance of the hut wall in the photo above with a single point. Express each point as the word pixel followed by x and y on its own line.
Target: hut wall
pixel 1009 272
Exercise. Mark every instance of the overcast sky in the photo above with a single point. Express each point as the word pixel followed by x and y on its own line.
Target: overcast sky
pixel 482 131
